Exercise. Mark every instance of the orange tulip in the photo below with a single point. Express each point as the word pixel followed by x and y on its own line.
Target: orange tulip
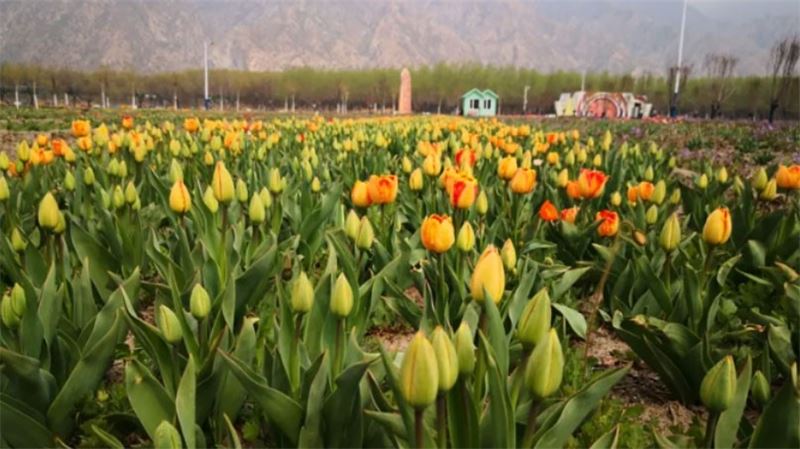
pixel 646 190
pixel 610 223
pixel 524 181
pixel 548 211
pixel 437 233
pixel 360 194
pixel 573 190
pixel 80 128
pixel 788 177
pixel 633 194
pixel 591 183
pixel 507 167
pixel 464 192
pixel 85 143
pixel 41 140
pixel 191 124
pixel 382 189
pixel 58 146
pixel 127 122
pixel 465 156
pixel 570 214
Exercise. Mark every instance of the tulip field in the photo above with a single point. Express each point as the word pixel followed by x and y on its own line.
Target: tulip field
pixel 175 281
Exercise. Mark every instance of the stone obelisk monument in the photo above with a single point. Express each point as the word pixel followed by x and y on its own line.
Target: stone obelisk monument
pixel 404 102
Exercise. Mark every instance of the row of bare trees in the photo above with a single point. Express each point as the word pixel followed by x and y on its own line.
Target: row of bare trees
pixel 716 91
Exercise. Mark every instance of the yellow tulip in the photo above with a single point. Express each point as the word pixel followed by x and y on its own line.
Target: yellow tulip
pixel 48 212
pixel 717 229
pixel 222 184
pixel 488 276
pixel 179 199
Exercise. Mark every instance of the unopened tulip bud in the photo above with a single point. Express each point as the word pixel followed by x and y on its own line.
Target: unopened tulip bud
pixel 316 186
pixel 48 212
pixel 88 176
pixel 342 297
pixel 256 211
pixel 302 297
pixel 175 171
pixel 419 373
pixel 169 325
pixel 210 200
pixel 4 161
pixel 759 179
pixel 563 178
pixel 18 300
pixel 702 181
pixel 675 198
pixel 352 224
pixel 366 234
pixel 130 193
pixel 117 197
pixel 509 255
pixel 275 181
pixel 180 201
pixel 5 193
pixel 770 190
pixel 241 191
pixel 718 388
pixel 9 317
pixel 482 204
pixel 407 166
pixel 534 323
pixel 266 197
pixel 598 160
pixel 199 302
pixel 671 233
pixel 446 359
pixel 416 180
pixel 122 170
pixel 489 276
pixel 167 437
pixel 466 238
pixel 17 241
pixel 222 184
pixel 465 350
pixel 722 175
pixel 651 216
pixel 659 192
pixel 545 367
pixel 648 173
pixel 616 199
pixel 760 390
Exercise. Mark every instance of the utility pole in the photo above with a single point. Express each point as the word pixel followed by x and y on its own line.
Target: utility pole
pixel 35 97
pixel 102 95
pixel 206 99
pixel 674 108
pixel 525 100
pixel 583 80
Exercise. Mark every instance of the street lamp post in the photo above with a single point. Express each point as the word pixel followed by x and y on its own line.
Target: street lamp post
pixel 525 100
pixel 674 108
pixel 206 99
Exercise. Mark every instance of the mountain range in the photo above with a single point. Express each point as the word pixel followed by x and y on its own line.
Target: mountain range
pixel 619 36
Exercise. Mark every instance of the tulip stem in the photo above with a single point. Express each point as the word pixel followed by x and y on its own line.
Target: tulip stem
pixel 441 301
pixel 711 429
pixel 418 428
pixel 441 420
pixel 338 349
pixel 530 429
pixel 294 362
